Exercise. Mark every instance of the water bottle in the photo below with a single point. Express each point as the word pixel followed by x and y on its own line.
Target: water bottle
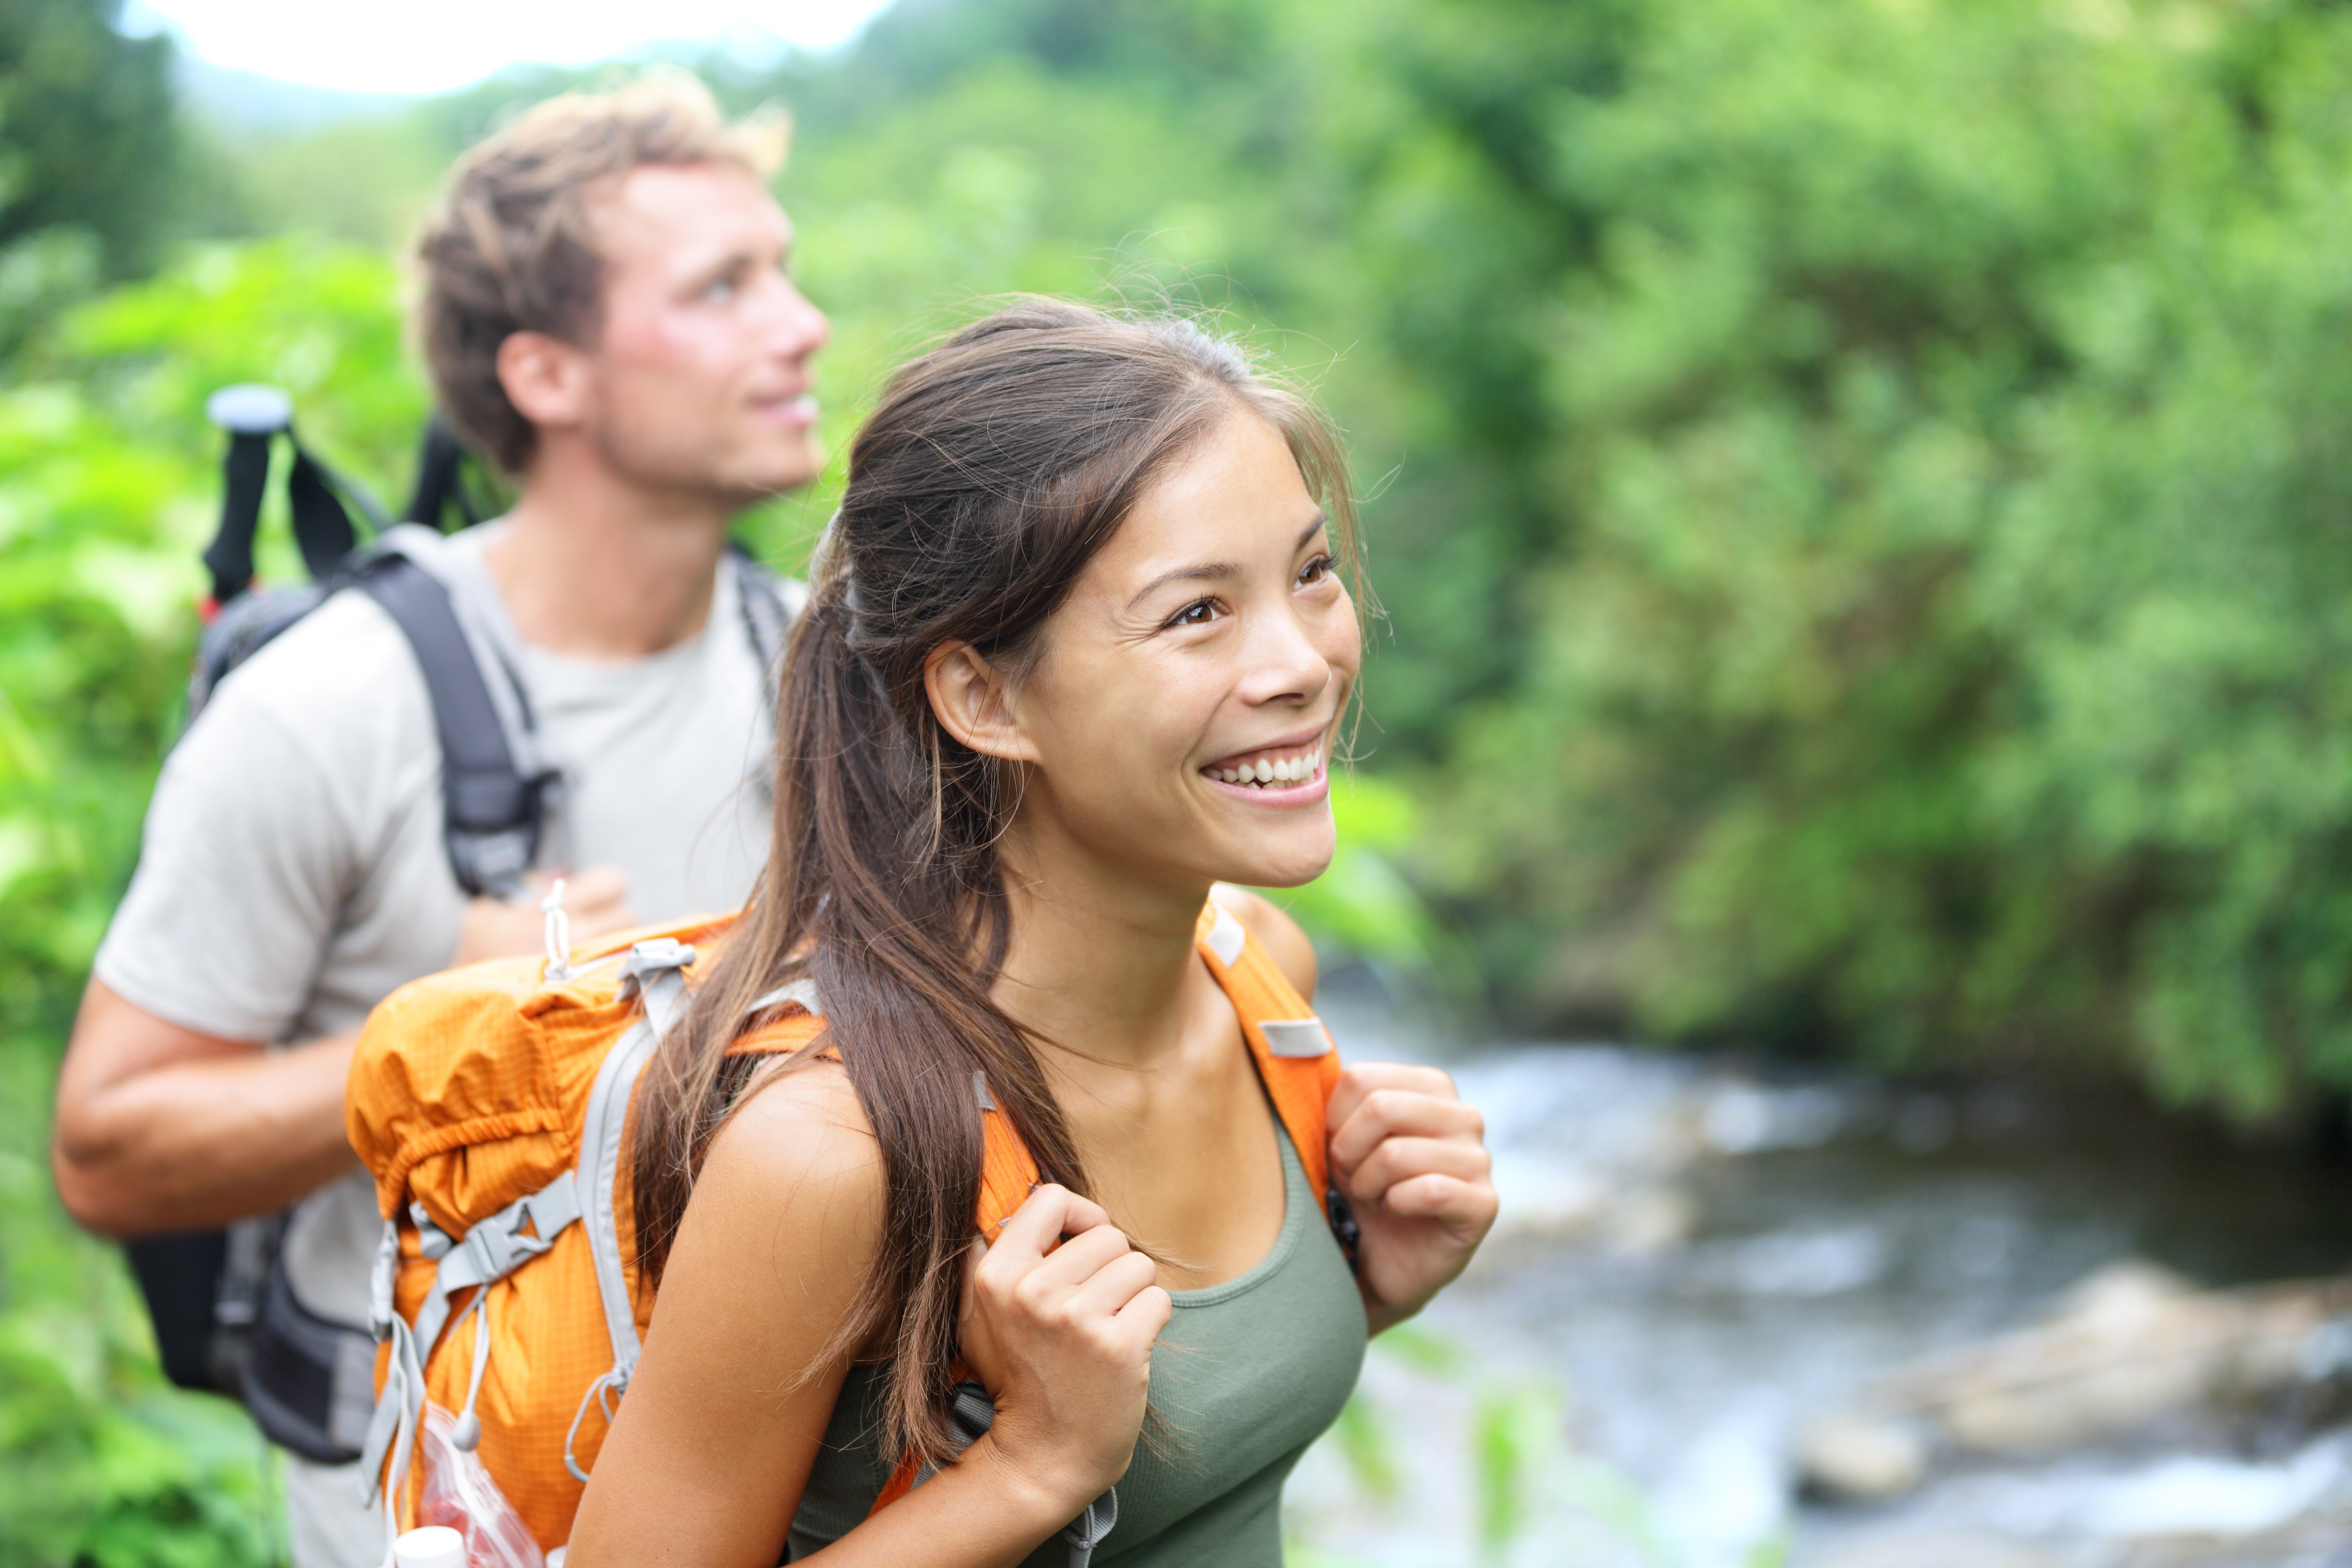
pixel 432 1546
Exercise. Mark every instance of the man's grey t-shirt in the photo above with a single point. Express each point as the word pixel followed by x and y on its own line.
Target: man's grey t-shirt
pixel 293 872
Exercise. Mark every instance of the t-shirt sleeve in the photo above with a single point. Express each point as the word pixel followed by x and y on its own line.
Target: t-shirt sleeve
pixel 249 852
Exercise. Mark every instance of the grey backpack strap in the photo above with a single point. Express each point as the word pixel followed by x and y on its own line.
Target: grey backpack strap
pixel 771 602
pixel 492 813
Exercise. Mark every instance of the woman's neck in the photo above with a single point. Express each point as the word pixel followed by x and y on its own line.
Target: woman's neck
pixel 1100 963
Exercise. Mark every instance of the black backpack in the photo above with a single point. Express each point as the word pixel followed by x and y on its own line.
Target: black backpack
pixel 225 1321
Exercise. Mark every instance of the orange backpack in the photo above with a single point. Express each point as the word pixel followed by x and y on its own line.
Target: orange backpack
pixel 491 1104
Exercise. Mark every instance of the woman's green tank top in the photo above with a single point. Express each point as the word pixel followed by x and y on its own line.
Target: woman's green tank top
pixel 1245 1375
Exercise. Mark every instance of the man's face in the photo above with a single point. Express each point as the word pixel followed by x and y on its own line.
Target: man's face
pixel 700 371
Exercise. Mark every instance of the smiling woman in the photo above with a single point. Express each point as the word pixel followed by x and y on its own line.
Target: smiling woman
pixel 1080 650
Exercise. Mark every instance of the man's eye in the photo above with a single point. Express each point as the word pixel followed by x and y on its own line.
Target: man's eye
pixel 1199 613
pixel 721 289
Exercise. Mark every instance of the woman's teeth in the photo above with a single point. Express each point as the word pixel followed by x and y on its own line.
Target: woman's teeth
pixel 1274 768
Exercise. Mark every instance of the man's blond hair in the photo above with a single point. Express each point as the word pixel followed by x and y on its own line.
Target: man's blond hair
pixel 510 247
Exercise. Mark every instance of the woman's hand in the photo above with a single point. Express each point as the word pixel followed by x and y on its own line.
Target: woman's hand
pixel 1412 1158
pixel 1061 1337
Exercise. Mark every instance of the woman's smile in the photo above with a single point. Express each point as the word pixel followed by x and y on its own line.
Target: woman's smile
pixel 1284 773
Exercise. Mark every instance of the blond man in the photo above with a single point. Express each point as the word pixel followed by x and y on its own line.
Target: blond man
pixel 606 314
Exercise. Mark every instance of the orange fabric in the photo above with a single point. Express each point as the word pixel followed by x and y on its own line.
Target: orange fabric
pixel 469 1089
pixel 1300 1087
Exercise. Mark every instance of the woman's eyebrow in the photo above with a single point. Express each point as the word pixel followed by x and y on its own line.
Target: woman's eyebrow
pixel 1218 570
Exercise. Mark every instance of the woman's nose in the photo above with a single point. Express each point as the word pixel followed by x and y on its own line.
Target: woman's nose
pixel 1289 665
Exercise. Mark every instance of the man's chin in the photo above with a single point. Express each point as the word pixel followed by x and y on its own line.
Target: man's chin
pixel 779 476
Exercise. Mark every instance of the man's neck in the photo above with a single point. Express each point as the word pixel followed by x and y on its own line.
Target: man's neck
pixel 595 570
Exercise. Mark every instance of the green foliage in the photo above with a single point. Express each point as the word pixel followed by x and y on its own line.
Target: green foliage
pixel 108 482
pixel 98 1464
pixel 1510 1431
pixel 1363 905
pixel 1933 634
pixel 88 138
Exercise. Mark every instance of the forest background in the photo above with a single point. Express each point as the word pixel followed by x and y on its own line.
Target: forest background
pixel 1860 503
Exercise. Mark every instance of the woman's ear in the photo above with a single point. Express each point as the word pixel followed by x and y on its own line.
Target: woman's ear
pixel 973 702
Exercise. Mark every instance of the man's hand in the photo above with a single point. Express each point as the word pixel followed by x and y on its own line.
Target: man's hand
pixel 1411 1157
pixel 596 901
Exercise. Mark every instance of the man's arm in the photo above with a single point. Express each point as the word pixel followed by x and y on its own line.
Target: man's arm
pixel 160 1128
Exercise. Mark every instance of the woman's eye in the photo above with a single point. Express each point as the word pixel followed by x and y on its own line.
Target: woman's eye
pixel 1199 613
pixel 721 289
pixel 1314 571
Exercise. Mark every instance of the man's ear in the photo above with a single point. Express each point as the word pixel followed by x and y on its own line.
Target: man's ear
pixel 973 702
pixel 545 378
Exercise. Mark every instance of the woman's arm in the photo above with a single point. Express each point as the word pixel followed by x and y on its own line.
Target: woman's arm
pixel 716 1438
pixel 718 1433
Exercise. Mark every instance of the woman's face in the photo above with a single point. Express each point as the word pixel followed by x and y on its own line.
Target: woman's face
pixel 1181 715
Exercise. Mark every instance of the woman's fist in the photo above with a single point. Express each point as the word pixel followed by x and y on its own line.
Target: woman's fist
pixel 1412 1158
pixel 1059 1318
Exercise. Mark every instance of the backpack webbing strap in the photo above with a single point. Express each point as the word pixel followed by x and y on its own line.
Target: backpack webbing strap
pixel 770 602
pixel 440 478
pixel 970 1412
pixel 652 970
pixel 492 814
pixel 495 1247
pixel 254 416
pixel 1293 1052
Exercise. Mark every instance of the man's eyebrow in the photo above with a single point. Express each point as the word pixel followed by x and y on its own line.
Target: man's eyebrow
pixel 734 260
pixel 1218 570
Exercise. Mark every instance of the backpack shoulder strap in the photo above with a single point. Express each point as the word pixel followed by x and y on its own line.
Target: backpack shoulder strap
pixel 770 602
pixel 492 814
pixel 1295 1057
pixel 1006 1171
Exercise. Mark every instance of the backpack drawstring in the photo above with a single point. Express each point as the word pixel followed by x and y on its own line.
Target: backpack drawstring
pixel 557 933
pixel 468 1435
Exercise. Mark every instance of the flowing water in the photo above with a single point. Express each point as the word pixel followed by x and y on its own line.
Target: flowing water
pixel 1694 1259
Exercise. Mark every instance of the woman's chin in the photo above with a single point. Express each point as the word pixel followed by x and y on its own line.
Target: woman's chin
pixel 1283 871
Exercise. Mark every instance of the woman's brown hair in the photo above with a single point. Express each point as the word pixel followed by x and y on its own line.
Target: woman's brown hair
pixel 995 468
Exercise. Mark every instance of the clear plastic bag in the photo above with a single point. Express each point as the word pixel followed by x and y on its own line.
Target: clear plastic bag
pixel 459 1493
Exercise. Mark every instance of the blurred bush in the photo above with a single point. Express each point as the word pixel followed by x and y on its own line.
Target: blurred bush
pixel 108 490
pixel 1933 637
pixel 88 139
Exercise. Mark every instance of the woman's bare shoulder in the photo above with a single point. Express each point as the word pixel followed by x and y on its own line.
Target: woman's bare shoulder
pixel 799 1138
pixel 743 1360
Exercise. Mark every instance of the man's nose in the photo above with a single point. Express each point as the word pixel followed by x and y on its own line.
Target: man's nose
pixel 798 328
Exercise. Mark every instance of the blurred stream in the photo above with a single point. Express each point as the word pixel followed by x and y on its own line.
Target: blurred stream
pixel 1692 1261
